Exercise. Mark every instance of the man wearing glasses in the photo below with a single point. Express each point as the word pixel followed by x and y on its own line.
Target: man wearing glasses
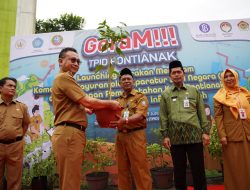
pixel 70 105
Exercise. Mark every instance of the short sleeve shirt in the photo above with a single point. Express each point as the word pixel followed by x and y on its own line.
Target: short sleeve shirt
pixel 65 96
pixel 13 117
pixel 135 102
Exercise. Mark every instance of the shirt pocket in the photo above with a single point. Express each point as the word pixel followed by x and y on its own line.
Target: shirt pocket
pixel 17 119
pixel 192 104
pixel 132 107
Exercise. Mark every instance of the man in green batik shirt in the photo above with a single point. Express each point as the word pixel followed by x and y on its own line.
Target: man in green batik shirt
pixel 184 126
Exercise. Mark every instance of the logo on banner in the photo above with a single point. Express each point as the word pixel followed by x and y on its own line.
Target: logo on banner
pixel 20 44
pixel 204 27
pixel 243 26
pixel 56 40
pixel 37 42
pixel 226 27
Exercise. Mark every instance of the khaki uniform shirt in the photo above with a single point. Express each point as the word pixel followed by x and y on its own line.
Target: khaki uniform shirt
pixel 65 94
pixel 13 118
pixel 183 125
pixel 135 102
pixel 229 127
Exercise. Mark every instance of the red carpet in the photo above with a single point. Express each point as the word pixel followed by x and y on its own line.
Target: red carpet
pixel 211 187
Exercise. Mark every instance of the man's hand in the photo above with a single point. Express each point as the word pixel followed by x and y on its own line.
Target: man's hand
pixel 206 139
pixel 166 143
pixel 89 111
pixel 223 141
pixel 114 105
pixel 117 124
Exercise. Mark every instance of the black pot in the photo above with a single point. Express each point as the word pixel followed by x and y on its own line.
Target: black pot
pixel 97 180
pixel 215 180
pixel 39 183
pixel 162 177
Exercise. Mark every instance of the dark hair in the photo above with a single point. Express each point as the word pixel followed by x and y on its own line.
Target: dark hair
pixel 207 106
pixel 36 107
pixel 65 50
pixel 3 80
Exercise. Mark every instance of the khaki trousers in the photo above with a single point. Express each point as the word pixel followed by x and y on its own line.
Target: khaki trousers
pixel 132 161
pixel 68 144
pixel 11 159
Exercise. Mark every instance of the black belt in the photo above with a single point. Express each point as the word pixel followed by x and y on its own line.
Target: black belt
pixel 130 130
pixel 80 127
pixel 9 141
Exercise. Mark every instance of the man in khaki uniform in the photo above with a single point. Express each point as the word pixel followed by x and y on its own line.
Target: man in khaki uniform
pixel 14 121
pixel 131 137
pixel 70 105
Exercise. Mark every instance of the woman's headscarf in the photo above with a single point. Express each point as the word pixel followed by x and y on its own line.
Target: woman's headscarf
pixel 236 97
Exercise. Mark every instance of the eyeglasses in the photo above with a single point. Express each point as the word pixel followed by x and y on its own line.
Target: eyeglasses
pixel 74 60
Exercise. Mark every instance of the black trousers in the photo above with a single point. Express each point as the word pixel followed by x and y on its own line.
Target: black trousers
pixel 194 153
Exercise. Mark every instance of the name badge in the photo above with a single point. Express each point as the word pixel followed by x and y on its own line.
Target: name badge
pixel 126 114
pixel 186 103
pixel 242 113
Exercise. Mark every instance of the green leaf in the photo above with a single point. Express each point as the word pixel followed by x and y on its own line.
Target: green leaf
pixel 116 73
pixel 98 68
pixel 104 47
pixel 123 42
pixel 119 51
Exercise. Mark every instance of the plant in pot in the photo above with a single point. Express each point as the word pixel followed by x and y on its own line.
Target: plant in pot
pixel 26 177
pixel 161 171
pixel 111 42
pixel 42 171
pixel 101 155
pixel 215 150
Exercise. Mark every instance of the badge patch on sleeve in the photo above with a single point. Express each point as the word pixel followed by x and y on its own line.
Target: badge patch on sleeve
pixel 143 103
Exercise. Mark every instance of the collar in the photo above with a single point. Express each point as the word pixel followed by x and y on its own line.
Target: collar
pixel 174 88
pixel 66 73
pixel 1 100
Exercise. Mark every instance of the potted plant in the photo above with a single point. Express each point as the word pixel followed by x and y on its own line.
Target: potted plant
pixel 215 150
pixel 161 172
pixel 26 177
pixel 111 40
pixel 42 171
pixel 101 155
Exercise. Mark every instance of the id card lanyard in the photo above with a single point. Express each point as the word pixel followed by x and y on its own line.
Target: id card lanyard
pixel 126 112
pixel 186 101
pixel 242 111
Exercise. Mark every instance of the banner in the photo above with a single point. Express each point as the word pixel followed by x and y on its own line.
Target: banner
pixel 204 48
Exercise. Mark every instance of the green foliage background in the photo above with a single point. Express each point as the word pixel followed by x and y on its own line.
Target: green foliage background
pixel 66 22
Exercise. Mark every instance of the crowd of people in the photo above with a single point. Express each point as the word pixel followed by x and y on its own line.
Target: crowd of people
pixel 184 125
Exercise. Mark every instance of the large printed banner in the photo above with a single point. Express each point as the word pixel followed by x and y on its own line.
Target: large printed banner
pixel 205 49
